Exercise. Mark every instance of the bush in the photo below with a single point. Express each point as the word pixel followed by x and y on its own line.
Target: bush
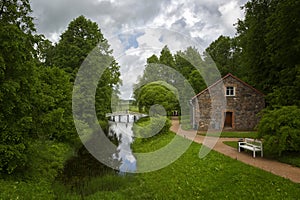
pixel 280 129
pixel 45 162
pixel 148 127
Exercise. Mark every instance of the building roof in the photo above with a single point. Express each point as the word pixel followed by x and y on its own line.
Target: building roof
pixel 234 77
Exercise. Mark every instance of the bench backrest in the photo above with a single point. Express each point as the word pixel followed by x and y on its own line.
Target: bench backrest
pixel 253 142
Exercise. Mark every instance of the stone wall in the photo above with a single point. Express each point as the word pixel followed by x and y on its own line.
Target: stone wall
pixel 245 106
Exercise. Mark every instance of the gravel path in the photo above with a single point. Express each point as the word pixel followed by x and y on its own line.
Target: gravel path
pixel 277 168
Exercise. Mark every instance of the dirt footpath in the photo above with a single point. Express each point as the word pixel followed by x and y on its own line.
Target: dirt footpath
pixel 277 168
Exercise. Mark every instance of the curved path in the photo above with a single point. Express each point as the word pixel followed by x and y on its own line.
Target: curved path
pixel 277 168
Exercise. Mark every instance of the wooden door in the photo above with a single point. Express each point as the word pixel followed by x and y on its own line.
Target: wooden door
pixel 228 119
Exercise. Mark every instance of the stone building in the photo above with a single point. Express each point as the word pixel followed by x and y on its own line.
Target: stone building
pixel 230 103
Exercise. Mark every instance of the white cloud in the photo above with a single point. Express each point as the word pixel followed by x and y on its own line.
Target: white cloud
pixel 230 13
pixel 137 29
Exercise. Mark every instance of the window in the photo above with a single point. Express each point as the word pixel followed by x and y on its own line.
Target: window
pixel 230 91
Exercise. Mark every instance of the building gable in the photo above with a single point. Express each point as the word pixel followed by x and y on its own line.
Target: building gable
pixel 239 110
pixel 227 77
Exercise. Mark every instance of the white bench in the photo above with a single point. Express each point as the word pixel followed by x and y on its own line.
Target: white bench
pixel 252 145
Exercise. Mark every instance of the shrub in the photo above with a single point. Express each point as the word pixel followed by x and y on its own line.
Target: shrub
pixel 149 127
pixel 280 129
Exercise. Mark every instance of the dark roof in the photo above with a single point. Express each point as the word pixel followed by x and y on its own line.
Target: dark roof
pixel 229 75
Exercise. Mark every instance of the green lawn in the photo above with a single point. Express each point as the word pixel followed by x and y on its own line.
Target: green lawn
pixel 232 134
pixel 231 143
pixel 289 158
pixel 214 177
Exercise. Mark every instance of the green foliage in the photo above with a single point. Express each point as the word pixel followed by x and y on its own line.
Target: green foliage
pixel 186 63
pixel 251 34
pixel 225 52
pixel 26 190
pixel 108 183
pixel 17 12
pixel 80 38
pixel 17 70
pixel 147 127
pixel 269 37
pixel 291 158
pixel 52 114
pixel 45 161
pixel 159 93
pixel 280 129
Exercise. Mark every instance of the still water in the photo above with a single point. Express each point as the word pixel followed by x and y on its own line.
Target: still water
pixel 121 127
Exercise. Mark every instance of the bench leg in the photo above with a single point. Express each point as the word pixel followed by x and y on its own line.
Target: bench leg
pixel 253 154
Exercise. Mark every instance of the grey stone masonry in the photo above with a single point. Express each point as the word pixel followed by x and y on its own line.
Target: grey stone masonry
pixel 235 104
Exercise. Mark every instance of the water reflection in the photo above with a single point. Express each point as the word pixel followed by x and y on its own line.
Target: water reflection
pixel 121 127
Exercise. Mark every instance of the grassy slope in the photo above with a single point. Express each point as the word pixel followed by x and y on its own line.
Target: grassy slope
pixel 214 177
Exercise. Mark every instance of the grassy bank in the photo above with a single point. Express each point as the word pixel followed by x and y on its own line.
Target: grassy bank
pixel 214 177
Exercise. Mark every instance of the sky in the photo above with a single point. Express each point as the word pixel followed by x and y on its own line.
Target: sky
pixel 137 29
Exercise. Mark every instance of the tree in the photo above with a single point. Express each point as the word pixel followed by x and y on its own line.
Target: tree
pixel 190 64
pixel 158 93
pixel 183 71
pixel 17 79
pixel 251 33
pixel 225 53
pixel 80 39
pixel 17 12
pixel 269 38
pixel 283 48
pixel 52 111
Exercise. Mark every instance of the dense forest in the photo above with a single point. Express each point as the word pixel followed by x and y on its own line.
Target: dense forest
pixel 37 132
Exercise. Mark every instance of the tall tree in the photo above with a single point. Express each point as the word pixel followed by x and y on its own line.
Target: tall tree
pixel 251 32
pixel 17 79
pixel 269 37
pixel 182 71
pixel 225 53
pixel 80 38
pixel 283 39
pixel 77 42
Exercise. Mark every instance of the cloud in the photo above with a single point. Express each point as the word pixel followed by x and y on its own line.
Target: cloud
pixel 137 29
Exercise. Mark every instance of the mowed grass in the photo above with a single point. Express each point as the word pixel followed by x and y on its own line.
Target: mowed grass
pixel 292 158
pixel 214 177
pixel 231 134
